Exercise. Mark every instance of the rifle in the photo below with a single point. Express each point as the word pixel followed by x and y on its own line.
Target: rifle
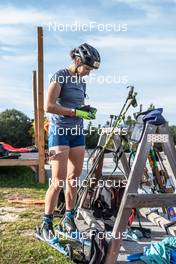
pixel 155 170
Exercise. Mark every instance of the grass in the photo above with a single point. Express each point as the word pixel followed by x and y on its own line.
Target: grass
pixel 17 240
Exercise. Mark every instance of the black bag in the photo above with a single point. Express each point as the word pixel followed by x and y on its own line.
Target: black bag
pixel 98 252
pixel 106 201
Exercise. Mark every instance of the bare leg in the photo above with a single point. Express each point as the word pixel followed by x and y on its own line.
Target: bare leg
pixel 59 172
pixel 74 168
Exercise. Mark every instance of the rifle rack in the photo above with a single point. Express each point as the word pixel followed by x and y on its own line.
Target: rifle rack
pixel 131 198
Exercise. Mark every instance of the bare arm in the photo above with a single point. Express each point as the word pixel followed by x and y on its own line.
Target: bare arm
pixel 51 106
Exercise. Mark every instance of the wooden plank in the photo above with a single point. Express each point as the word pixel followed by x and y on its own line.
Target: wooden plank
pixel 158 220
pixel 41 141
pixel 19 162
pixel 34 81
pixel 150 200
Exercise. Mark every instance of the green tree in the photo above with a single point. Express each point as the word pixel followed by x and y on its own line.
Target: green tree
pixel 15 128
pixel 172 130
pixel 129 121
pixel 92 136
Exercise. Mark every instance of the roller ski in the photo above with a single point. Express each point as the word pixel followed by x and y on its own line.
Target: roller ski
pixel 68 230
pixel 46 234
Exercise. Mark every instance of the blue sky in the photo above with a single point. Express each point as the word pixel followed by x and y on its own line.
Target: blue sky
pixel 143 55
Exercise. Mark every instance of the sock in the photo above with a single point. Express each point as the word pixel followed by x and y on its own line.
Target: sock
pixel 70 214
pixel 48 218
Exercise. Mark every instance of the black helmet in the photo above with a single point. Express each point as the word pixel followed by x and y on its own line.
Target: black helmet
pixel 89 55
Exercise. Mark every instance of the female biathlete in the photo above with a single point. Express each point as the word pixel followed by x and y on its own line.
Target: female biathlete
pixel 66 140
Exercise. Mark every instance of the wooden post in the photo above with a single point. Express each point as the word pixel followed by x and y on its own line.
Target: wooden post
pixel 41 141
pixel 34 81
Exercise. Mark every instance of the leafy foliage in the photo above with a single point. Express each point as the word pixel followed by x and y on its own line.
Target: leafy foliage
pixel 15 128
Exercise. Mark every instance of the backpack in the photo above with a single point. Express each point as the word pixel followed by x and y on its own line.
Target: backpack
pixel 98 250
pixel 153 117
pixel 106 201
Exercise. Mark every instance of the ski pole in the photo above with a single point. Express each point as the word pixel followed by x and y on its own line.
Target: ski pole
pixel 116 124
pixel 132 97
pixel 132 101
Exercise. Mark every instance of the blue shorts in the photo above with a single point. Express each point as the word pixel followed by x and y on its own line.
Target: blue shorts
pixel 65 137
